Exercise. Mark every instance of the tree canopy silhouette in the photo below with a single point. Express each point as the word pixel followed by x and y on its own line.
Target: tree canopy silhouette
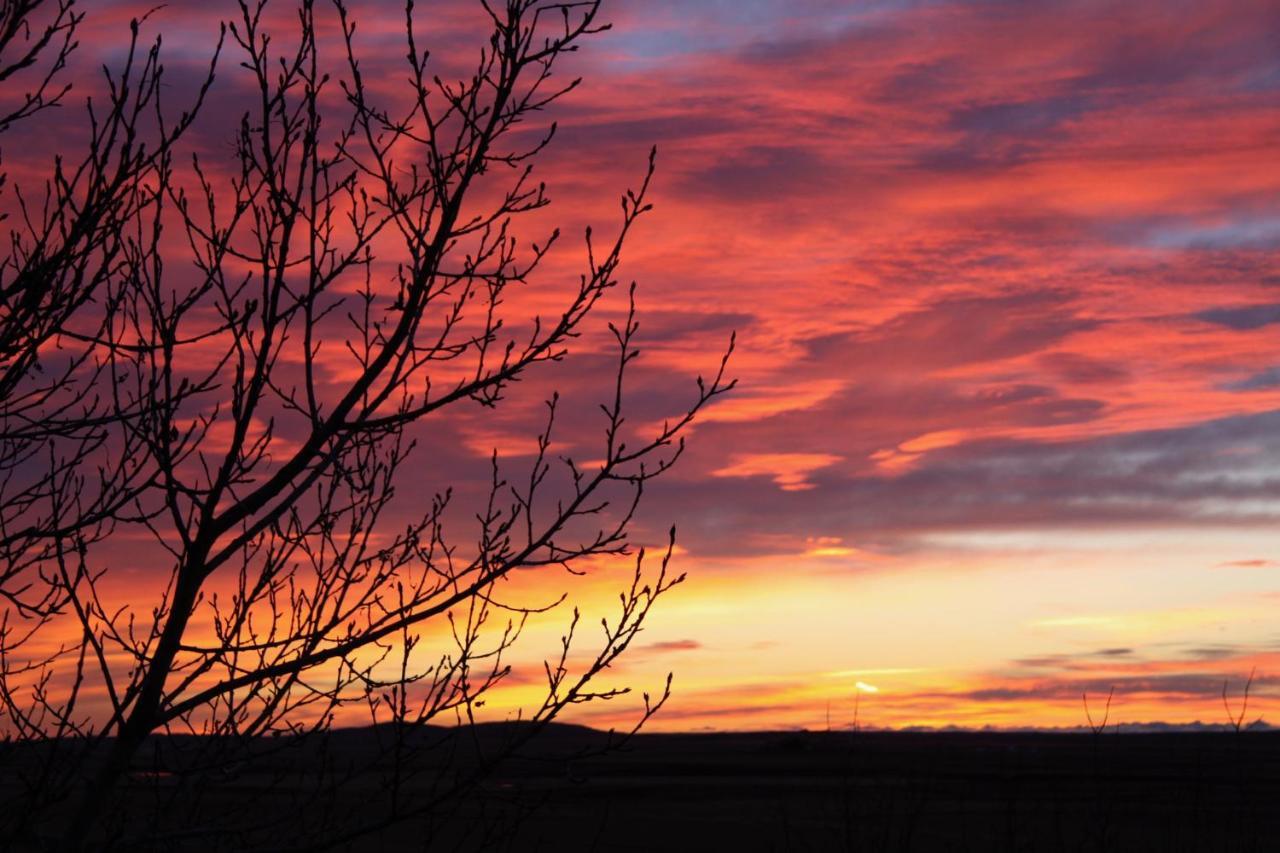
pixel 225 355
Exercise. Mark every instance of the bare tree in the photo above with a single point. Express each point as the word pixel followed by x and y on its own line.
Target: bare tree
pixel 36 38
pixel 1236 719
pixel 68 471
pixel 278 335
pixel 65 251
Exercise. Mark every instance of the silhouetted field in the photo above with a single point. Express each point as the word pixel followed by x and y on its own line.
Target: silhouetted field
pixel 914 791
pixel 863 791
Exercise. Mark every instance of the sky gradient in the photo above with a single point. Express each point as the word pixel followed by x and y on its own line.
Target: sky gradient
pixel 1004 278
pixel 1006 288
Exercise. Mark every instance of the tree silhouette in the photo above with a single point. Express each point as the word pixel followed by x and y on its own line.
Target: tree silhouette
pixel 66 249
pixel 230 363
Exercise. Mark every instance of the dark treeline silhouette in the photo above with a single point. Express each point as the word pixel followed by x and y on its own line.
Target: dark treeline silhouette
pixel 215 364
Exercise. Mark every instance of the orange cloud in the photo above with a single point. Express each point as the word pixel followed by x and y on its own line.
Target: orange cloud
pixel 790 471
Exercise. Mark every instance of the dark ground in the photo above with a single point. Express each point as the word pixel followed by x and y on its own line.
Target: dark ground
pixel 864 791
pixel 926 792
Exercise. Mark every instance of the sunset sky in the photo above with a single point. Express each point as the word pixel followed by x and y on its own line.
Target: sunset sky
pixel 1006 287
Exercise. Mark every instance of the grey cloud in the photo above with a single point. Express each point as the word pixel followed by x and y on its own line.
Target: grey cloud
pixel 1221 472
pixel 1244 318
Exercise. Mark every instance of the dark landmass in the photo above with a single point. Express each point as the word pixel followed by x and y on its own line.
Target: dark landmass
pixel 900 791
pixel 796 791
